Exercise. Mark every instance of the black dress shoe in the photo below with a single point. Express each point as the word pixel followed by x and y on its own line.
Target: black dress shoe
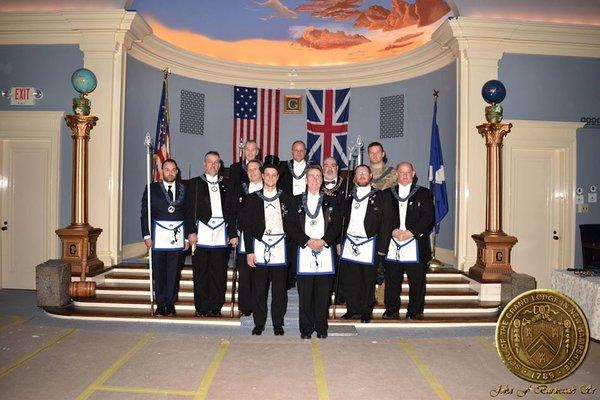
pixel 160 311
pixel 418 317
pixel 170 311
pixel 246 313
pixel 322 335
pixel 366 318
pixel 409 316
pixel 278 330
pixel 305 336
pixel 387 315
pixel 202 313
pixel 258 330
pixel 347 316
pixel 215 313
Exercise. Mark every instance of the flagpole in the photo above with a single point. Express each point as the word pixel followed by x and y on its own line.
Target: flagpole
pixel 434 262
pixel 148 144
pixel 356 146
pixel 234 257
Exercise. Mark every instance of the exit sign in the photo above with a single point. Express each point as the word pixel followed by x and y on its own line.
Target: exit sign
pixel 22 96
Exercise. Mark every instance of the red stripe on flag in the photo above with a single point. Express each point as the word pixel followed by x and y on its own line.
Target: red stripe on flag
pixel 261 103
pixel 276 144
pixel 268 123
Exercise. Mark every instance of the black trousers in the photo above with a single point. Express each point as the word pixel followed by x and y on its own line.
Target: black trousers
pixel 277 277
pixel 165 274
pixel 245 284
pixel 359 287
pixel 210 278
pixel 314 294
pixel 292 251
pixel 394 274
pixel 337 283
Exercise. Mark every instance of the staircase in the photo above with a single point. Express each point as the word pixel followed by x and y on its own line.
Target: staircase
pixel 122 293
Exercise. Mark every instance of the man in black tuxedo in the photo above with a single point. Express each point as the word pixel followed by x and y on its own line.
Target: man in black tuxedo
pixel 413 218
pixel 293 182
pixel 266 211
pixel 367 237
pixel 239 215
pixel 167 239
pixel 207 215
pixel 293 172
pixel 238 171
pixel 314 226
pixel 335 192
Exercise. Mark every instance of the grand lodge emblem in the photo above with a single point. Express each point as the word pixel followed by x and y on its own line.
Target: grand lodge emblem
pixel 542 336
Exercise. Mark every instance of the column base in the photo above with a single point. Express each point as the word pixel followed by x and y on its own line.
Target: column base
pixel 72 238
pixel 493 256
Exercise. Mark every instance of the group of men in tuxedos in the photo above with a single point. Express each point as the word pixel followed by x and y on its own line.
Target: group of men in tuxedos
pixel 292 224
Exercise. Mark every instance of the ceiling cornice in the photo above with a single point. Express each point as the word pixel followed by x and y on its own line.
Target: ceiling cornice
pixel 506 36
pixel 479 36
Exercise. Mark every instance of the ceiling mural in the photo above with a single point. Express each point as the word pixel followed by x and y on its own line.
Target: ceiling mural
pixel 294 32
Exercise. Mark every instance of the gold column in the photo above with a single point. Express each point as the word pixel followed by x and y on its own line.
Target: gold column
pixel 79 238
pixel 493 245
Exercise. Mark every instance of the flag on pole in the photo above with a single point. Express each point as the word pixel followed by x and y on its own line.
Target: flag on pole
pixel 327 114
pixel 162 142
pixel 256 117
pixel 437 178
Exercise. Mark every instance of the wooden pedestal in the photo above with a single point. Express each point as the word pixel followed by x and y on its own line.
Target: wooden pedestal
pixel 73 243
pixel 493 256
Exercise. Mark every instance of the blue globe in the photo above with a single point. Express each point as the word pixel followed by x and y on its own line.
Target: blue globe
pixel 493 91
pixel 84 81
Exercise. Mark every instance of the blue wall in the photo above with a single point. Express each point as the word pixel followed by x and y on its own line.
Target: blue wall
pixel 143 97
pixel 48 68
pixel 550 88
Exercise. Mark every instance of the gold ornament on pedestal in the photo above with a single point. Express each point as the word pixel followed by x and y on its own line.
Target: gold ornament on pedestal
pixel 493 245
pixel 79 238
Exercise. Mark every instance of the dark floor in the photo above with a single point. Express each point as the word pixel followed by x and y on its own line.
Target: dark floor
pixel 43 357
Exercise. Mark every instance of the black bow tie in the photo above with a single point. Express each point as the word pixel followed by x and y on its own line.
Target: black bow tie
pixel 330 182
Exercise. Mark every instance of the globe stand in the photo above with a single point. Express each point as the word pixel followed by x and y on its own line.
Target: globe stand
pixel 493 245
pixel 79 238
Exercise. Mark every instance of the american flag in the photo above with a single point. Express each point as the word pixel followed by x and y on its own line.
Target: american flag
pixel 327 124
pixel 256 117
pixel 162 143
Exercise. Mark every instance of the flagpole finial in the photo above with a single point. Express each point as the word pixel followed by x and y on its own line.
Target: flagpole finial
pixel 148 140
pixel 436 94
pixel 166 71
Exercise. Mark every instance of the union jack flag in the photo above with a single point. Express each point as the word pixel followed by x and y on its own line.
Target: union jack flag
pixel 162 143
pixel 327 124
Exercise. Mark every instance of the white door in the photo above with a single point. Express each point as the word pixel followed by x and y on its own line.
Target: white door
pixel 538 208
pixel 25 188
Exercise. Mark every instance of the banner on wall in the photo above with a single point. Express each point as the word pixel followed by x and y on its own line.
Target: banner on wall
pixel 327 113
pixel 256 117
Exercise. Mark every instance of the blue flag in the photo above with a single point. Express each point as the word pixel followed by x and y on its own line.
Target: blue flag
pixel 437 178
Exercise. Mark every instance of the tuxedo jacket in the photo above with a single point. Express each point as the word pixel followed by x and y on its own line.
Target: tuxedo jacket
pixel 160 206
pixel 420 218
pixel 254 217
pixel 378 218
pixel 237 174
pixel 286 178
pixel 339 195
pixel 199 207
pixel 237 208
pixel 297 218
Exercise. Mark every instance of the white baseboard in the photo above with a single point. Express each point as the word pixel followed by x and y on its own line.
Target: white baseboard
pixel 134 250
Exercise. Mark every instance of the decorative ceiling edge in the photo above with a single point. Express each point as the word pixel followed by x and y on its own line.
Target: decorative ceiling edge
pixel 520 37
pixel 448 41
